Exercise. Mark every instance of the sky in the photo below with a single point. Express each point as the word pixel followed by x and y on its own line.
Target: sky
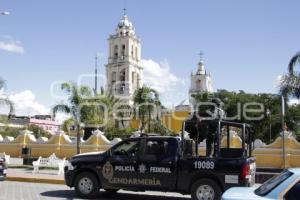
pixel 246 44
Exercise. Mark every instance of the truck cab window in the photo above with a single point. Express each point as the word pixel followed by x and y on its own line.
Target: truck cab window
pixel 126 148
pixel 156 148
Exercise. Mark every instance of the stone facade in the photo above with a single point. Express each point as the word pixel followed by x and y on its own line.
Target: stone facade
pixel 201 82
pixel 124 71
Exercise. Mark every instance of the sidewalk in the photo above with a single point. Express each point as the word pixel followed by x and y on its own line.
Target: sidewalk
pixel 26 175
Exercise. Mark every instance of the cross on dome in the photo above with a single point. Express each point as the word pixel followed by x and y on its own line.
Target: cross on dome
pixel 125 22
pixel 201 56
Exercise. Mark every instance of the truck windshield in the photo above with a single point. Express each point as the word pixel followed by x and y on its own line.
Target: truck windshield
pixel 269 185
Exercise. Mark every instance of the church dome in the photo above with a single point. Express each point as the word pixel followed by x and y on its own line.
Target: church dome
pixel 125 23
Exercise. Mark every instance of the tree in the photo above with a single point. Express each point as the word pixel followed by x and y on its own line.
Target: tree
pixel 145 100
pixel 10 131
pixel 124 112
pixel 203 101
pixel 4 99
pixel 78 97
pixel 37 131
pixel 102 110
pixel 234 107
pixel 67 125
pixel 292 119
pixel 158 127
pixel 234 103
pixel 290 83
pixel 111 103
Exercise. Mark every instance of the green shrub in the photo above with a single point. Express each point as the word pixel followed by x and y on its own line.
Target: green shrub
pixel 112 132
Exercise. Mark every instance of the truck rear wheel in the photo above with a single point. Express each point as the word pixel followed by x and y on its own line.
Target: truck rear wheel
pixel 86 185
pixel 206 189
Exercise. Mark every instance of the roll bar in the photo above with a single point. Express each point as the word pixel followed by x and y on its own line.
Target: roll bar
pixel 217 145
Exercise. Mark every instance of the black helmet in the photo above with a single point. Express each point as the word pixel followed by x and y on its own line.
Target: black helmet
pixel 218 102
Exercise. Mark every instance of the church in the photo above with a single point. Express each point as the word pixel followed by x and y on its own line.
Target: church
pixel 201 82
pixel 124 71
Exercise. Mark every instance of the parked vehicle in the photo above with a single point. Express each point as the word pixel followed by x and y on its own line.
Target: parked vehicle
pixel 3 168
pixel 284 186
pixel 164 163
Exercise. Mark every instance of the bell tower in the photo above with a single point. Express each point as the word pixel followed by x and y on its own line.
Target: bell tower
pixel 124 71
pixel 201 81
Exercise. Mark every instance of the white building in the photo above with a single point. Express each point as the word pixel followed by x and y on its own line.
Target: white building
pixel 201 82
pixel 124 71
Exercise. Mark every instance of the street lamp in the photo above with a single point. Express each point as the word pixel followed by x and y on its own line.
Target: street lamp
pixel 4 13
pixel 270 122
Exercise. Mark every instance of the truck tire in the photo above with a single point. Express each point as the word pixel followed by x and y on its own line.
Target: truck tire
pixel 86 185
pixel 206 189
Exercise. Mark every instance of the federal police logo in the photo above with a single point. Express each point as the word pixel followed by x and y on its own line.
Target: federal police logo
pixel 142 168
pixel 108 171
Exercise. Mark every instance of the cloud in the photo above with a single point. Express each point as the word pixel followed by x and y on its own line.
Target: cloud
pixel 279 79
pixel 26 104
pixel 294 101
pixel 61 117
pixel 159 76
pixel 11 45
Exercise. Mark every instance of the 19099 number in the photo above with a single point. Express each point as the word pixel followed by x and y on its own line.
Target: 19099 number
pixel 204 165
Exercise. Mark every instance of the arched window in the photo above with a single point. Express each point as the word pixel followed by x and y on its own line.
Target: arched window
pixel 122 86
pixel 136 53
pixel 133 78
pixel 198 84
pixel 123 51
pixel 113 78
pixel 115 51
pixel 138 80
pixel 132 51
pixel 122 75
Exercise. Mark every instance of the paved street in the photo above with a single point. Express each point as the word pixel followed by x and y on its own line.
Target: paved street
pixel 27 191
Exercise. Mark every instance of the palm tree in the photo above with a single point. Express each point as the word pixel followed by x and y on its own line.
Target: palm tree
pixel 110 101
pixel 4 99
pixel 124 112
pixel 290 83
pixel 85 108
pixel 106 103
pixel 78 96
pixel 144 98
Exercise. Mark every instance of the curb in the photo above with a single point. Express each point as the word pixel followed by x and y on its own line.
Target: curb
pixel 36 180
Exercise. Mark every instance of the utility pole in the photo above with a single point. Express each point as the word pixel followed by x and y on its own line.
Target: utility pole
pixel 270 123
pixel 96 75
pixel 283 129
pixel 270 128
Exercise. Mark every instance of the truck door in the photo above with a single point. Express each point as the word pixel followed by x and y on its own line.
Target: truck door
pixel 120 169
pixel 158 164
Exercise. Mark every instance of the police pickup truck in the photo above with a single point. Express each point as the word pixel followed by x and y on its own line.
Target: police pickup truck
pixel 165 163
